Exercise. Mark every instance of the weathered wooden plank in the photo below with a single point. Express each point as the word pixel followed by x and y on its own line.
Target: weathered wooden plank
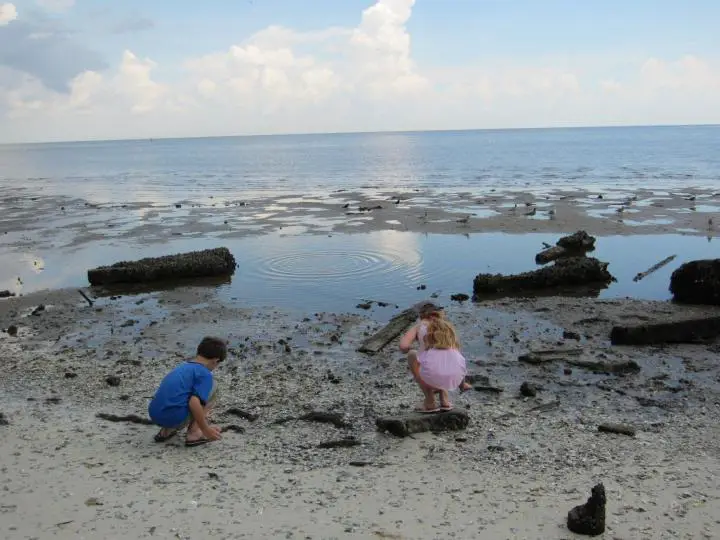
pixel 397 325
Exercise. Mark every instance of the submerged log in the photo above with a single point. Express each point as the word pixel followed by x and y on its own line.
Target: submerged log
pixel 654 268
pixel 571 272
pixel 390 331
pixel 405 425
pixel 685 331
pixel 210 262
pixel 697 282
pixel 574 245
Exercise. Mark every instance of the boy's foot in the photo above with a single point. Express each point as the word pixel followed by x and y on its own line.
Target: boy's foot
pixel 165 434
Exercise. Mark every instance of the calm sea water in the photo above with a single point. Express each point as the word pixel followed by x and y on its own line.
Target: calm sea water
pixel 335 273
pixel 161 170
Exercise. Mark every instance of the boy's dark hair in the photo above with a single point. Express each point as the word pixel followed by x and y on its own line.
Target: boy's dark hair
pixel 212 348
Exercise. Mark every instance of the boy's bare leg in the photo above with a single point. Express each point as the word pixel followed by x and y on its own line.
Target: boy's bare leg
pixel 194 433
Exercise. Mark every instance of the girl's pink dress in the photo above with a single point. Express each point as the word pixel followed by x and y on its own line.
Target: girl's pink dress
pixel 443 369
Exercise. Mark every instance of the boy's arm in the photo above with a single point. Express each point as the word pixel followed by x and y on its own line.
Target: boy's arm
pixel 408 339
pixel 198 413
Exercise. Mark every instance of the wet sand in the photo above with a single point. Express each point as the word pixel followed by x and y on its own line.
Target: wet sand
pixel 514 473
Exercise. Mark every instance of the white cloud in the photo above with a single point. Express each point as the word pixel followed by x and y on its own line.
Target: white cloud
pixel 8 13
pixel 56 5
pixel 353 79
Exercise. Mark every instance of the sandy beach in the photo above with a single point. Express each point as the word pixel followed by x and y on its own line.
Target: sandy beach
pixel 514 473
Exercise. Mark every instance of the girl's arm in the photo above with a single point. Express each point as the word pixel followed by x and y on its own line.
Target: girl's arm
pixel 408 339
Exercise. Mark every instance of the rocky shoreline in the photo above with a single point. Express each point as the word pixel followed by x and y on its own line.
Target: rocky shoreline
pixel 70 361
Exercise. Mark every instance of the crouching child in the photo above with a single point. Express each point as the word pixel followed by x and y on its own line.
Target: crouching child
pixel 186 396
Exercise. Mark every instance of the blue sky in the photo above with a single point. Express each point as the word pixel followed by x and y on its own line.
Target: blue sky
pixel 89 69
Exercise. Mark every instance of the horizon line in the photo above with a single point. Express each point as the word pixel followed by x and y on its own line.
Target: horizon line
pixel 360 132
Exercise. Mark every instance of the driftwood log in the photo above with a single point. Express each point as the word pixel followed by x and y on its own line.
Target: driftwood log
pixel 570 272
pixel 654 268
pixel 398 324
pixel 685 331
pixel 207 263
pixel 574 245
pixel 697 282
pixel 405 425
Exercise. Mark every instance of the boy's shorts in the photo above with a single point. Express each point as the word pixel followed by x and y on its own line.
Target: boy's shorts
pixel 211 399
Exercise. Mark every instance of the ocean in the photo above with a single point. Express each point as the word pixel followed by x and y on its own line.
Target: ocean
pixel 317 272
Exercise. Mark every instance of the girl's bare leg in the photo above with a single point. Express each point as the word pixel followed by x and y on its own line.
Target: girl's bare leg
pixel 428 392
pixel 445 399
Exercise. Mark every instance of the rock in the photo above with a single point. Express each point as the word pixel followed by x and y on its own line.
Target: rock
pixel 488 388
pixel 3 420
pixel 571 335
pixel 697 282
pixel 38 310
pixel 405 425
pixel 482 380
pixel 12 330
pixel 129 418
pixel 528 389
pixel 684 331
pixel 112 380
pixel 572 272
pixel 364 305
pixel 589 518
pixel 233 427
pixel 459 297
pixel 620 429
pixel 575 245
pixel 70 375
pixel 335 419
pixel 6 294
pixel 347 442
pixel 600 366
pixel 207 263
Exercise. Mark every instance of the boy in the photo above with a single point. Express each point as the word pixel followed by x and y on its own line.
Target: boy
pixel 186 394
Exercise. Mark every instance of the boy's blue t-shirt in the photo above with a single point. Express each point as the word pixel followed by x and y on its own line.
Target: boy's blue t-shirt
pixel 170 406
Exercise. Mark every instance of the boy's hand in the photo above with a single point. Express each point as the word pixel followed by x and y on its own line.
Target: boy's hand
pixel 212 433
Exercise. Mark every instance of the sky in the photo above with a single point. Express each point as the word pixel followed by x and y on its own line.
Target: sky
pixel 102 69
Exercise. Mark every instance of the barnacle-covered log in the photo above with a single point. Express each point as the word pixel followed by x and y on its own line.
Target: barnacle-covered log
pixel 206 263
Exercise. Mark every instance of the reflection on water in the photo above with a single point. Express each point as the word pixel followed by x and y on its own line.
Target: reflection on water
pixel 334 273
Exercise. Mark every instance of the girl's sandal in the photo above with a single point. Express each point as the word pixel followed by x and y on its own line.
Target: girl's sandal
pixel 424 410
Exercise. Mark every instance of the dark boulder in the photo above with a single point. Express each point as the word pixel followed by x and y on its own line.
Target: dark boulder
pixel 405 425
pixel 574 245
pixel 589 518
pixel 571 272
pixel 697 282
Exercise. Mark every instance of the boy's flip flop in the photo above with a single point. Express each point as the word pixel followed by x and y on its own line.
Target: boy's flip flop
pixel 197 442
pixel 160 438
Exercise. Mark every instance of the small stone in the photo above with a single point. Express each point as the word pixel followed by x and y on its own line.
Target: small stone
pixel 38 310
pixel 70 375
pixel 364 305
pixel 421 287
pixel 93 501
pixel 6 294
pixel 589 518
pixel 459 297
pixel 112 380
pixel 621 429
pixel 12 330
pixel 3 420
pixel 528 389
pixel 567 371
pixel 571 335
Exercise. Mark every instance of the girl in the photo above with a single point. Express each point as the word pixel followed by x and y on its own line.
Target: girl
pixel 437 365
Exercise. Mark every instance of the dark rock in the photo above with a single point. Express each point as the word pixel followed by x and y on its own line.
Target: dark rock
pixel 421 287
pixel 130 418
pixel 567 371
pixel 347 442
pixel 3 421
pixel 482 380
pixel 488 389
pixel 38 310
pixel 589 518
pixel 405 425
pixel 317 416
pixel 112 380
pixel 528 389
pixel 599 366
pixel 364 305
pixel 572 272
pixel 233 427
pixel 250 417
pixel 369 208
pixel 697 282
pixel 178 206
pixel 360 463
pixel 70 375
pixel 459 297
pixel 6 294
pixel 207 263
pixel 571 335
pixel 620 429
pixel 685 331
pixel 574 245
pixel 12 330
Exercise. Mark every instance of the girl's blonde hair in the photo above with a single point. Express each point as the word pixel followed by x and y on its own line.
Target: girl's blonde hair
pixel 441 334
